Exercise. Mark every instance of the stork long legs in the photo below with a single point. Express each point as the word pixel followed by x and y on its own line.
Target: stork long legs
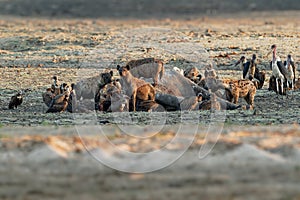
pixel 292 88
pixel 281 86
pixel 278 90
pixel 276 80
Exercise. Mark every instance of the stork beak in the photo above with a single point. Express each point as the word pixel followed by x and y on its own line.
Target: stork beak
pixel 238 62
pixel 269 52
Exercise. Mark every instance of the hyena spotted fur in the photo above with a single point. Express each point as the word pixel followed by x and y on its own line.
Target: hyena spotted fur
pixel 241 89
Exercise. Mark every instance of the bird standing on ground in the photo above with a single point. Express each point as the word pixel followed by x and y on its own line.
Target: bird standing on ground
pixel 55 87
pixel 277 68
pixel 60 102
pixel 291 71
pixel 48 96
pixel 16 100
pixel 246 65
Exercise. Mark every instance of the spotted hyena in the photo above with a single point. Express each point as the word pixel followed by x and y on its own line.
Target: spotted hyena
pixel 241 89
pixel 134 87
pixel 191 103
pixel 212 104
pixel 112 99
pixel 147 68
pixel 88 88
pixel 192 73
pixel 210 72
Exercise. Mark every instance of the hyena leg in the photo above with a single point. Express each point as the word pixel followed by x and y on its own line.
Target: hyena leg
pixel 235 99
pixel 134 100
pixel 250 99
pixel 155 79
pixel 247 98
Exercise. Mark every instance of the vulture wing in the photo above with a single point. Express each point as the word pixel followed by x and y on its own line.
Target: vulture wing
pixel 246 69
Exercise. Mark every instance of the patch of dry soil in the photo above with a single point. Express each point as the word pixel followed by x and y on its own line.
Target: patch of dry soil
pixel 251 161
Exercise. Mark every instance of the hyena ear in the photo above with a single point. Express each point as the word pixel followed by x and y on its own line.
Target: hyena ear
pixel 127 67
pixel 118 67
pixel 111 73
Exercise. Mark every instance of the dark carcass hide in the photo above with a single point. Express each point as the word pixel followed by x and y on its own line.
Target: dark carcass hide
pixel 181 87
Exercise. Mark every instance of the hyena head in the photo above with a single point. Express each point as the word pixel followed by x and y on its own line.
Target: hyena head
pixel 191 73
pixel 123 70
pixel 107 77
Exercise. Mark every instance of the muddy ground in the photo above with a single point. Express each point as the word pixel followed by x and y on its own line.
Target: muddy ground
pixel 42 156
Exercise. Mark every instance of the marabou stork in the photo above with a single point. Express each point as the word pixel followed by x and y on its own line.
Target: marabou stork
pixel 291 71
pixel 278 69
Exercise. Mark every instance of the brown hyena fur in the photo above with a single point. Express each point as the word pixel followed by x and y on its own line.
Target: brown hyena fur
pixel 134 87
pixel 215 104
pixel 147 68
pixel 135 63
pixel 88 88
pixel 192 73
pixel 211 104
pixel 213 84
pixel 102 98
pixel 210 72
pixel 145 93
pixel 119 102
pixel 191 103
pixel 241 89
pixel 149 106
pixel 110 98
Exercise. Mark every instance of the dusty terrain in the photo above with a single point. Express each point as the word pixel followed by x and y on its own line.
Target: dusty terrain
pixel 257 156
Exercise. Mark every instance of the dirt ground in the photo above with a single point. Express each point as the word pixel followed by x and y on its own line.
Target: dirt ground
pixel 42 157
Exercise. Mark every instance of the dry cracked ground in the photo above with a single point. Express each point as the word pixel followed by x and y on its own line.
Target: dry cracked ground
pixel 49 156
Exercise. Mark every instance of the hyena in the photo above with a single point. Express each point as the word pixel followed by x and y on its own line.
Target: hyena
pixel 110 98
pixel 88 88
pixel 134 87
pixel 192 73
pixel 191 103
pixel 212 104
pixel 147 68
pixel 241 89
